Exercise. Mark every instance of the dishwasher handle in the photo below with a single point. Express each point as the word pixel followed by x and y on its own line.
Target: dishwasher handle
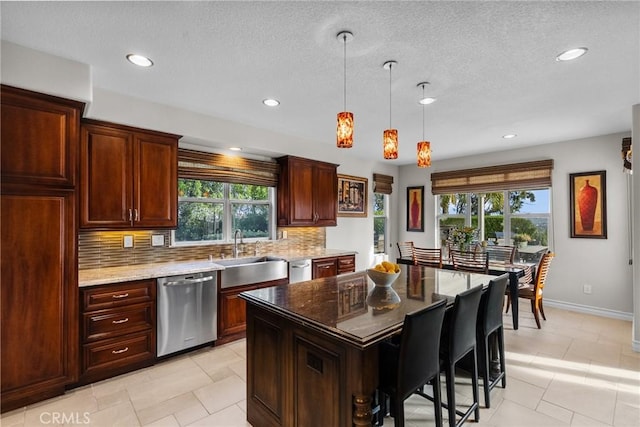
pixel 305 265
pixel 184 282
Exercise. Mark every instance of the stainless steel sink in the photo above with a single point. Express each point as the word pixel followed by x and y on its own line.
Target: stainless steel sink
pixel 246 271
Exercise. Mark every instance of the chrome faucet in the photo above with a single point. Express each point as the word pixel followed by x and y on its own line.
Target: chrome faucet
pixel 235 243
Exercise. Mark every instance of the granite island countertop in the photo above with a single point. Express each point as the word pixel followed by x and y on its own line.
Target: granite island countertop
pixel 102 276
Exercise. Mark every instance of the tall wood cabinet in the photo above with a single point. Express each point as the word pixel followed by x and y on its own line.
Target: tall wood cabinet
pixel 307 192
pixel 128 177
pixel 39 292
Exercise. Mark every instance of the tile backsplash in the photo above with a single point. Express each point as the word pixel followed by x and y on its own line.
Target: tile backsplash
pixel 98 249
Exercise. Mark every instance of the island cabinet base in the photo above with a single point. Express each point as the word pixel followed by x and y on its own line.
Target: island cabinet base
pixel 297 376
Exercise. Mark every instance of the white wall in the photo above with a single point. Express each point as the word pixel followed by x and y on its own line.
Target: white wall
pixel 601 263
pixel 41 72
pixel 636 227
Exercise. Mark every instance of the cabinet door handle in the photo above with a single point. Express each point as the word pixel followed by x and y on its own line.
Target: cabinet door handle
pixel 116 322
pixel 130 215
pixel 120 295
pixel 120 351
pixel 137 218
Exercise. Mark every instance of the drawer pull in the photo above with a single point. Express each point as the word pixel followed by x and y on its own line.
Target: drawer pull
pixel 120 351
pixel 116 322
pixel 120 295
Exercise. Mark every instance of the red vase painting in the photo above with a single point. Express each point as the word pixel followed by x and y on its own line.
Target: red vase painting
pixel 587 201
pixel 415 211
pixel 588 204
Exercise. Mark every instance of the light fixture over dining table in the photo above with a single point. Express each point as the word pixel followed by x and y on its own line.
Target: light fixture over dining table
pixel 390 136
pixel 344 131
pixel 424 146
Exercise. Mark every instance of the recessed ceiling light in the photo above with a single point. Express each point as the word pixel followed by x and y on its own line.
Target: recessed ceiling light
pixel 235 148
pixel 572 54
pixel 427 101
pixel 139 60
pixel 269 102
pixel 509 136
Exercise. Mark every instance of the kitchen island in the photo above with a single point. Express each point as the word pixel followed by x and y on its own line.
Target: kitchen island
pixel 312 347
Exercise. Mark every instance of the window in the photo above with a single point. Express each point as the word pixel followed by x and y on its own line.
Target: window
pixel 210 211
pixel 379 223
pixel 516 217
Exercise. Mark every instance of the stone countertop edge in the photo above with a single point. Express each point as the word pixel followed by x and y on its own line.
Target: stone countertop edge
pixel 108 275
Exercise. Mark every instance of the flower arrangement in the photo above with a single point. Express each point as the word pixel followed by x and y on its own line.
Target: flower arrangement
pixel 521 237
pixel 462 237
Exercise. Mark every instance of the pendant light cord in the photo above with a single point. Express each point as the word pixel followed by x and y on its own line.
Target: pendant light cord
pixel 344 39
pixel 423 113
pixel 390 66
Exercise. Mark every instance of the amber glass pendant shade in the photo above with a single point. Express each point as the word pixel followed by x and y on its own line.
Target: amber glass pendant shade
pixel 390 143
pixel 424 154
pixel 344 132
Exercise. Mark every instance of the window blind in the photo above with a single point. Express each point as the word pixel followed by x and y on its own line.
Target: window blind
pixel 515 176
pixel 382 183
pixel 219 167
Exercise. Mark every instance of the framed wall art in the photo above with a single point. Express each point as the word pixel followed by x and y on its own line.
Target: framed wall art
pixel 588 200
pixel 415 208
pixel 352 196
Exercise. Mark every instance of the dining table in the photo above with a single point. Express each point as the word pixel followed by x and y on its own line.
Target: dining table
pixel 496 268
pixel 312 347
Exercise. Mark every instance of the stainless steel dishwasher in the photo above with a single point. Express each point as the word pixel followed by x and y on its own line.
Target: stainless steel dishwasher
pixel 186 311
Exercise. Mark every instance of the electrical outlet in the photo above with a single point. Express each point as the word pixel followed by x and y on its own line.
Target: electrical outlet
pixel 157 240
pixel 586 289
pixel 127 241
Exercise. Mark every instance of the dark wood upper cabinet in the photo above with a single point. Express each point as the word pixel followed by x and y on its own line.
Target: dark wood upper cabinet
pixel 128 177
pixel 307 192
pixel 39 292
pixel 39 138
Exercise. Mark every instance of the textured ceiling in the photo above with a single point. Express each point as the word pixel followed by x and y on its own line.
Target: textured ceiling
pixel 491 65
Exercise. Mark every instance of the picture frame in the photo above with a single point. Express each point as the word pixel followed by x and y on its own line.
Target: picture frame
pixel 352 196
pixel 415 208
pixel 588 204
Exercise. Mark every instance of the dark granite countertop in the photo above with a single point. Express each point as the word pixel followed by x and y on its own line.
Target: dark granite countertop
pixel 351 308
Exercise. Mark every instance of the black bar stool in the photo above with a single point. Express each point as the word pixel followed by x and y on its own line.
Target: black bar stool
pixel 490 334
pixel 457 341
pixel 406 367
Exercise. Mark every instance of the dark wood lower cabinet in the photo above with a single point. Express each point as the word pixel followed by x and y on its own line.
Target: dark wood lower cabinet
pixel 332 266
pixel 232 318
pixel 118 329
pixel 299 377
pixel 38 296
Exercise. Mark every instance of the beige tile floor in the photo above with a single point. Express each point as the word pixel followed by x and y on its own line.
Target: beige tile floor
pixel 578 370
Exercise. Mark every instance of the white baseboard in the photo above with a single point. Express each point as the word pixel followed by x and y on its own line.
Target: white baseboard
pixel 596 311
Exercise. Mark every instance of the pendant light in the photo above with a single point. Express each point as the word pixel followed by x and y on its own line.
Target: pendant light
pixel 344 131
pixel 424 146
pixel 390 136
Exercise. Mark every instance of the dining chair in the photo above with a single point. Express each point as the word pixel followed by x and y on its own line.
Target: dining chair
pixel 501 253
pixel 533 291
pixel 490 335
pixel 431 257
pixel 458 339
pixel 474 262
pixel 405 250
pixel 408 366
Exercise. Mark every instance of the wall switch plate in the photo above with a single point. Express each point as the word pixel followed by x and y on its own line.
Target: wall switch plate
pixel 586 289
pixel 157 240
pixel 127 242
